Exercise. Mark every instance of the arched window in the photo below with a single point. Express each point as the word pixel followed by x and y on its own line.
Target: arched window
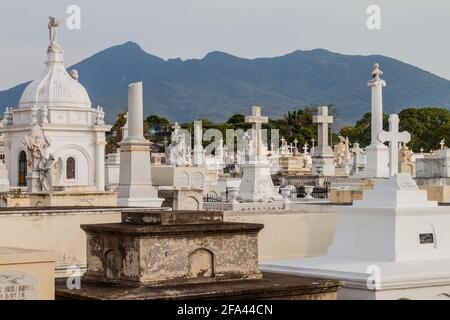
pixel 22 169
pixel 70 168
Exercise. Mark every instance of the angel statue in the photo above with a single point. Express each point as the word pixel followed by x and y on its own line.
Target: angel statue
pixel 36 144
pixel 49 172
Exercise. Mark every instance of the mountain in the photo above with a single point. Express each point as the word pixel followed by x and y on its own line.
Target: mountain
pixel 220 84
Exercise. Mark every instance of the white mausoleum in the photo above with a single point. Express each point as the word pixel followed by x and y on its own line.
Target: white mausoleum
pixel 58 107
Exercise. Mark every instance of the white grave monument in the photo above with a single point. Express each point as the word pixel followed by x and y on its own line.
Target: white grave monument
pixel 392 244
pixel 257 184
pixel 135 183
pixel 55 139
pixel 377 152
pixel 323 158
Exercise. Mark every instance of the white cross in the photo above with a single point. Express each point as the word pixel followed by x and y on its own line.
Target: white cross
pixel 322 119
pixel 421 150
pixel 442 143
pixel 305 149
pixel 256 119
pixel 394 138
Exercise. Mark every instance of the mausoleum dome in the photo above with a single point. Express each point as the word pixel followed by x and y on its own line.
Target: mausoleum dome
pixel 56 87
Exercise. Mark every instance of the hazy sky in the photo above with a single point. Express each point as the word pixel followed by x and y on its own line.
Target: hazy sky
pixel 414 31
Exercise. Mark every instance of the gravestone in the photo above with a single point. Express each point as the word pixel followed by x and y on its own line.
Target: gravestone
pixel 323 158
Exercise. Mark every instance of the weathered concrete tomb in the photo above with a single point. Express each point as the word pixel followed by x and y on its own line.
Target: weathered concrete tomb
pixel 155 247
pixel 182 254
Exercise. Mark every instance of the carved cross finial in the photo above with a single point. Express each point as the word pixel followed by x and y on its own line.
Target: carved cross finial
pixel 376 73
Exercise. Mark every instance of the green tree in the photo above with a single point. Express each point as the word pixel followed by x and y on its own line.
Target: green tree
pixel 115 134
pixel 236 119
pixel 427 127
pixel 360 132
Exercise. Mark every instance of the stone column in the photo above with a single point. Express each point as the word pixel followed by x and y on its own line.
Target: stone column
pixel 100 163
pixel 135 112
pixel 377 152
pixel 135 183
pixel 376 84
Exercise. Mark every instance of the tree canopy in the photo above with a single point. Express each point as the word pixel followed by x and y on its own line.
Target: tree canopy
pixel 427 127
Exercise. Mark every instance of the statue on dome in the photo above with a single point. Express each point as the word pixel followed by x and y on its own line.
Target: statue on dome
pixel 52 25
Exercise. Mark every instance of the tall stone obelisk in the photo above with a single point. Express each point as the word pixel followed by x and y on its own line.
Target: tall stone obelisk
pixel 135 183
pixel 377 153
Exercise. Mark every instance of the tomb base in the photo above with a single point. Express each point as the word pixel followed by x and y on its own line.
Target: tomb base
pixel 256 184
pixel 377 162
pixel 323 165
pixel 271 286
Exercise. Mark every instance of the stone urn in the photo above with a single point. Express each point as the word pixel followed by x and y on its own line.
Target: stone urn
pixel 233 194
pixel 286 192
pixel 308 191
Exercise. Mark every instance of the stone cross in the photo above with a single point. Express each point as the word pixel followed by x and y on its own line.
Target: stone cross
pixel 256 119
pixel 442 143
pixel 305 149
pixel 313 146
pixel 322 119
pixel 421 150
pixel 394 138
pixel 357 151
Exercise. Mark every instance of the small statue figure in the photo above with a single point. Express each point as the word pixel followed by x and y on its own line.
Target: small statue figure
pixel 100 116
pixel 52 25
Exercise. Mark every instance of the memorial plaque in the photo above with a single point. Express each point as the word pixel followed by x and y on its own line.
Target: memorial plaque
pixel 426 238
pixel 17 286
